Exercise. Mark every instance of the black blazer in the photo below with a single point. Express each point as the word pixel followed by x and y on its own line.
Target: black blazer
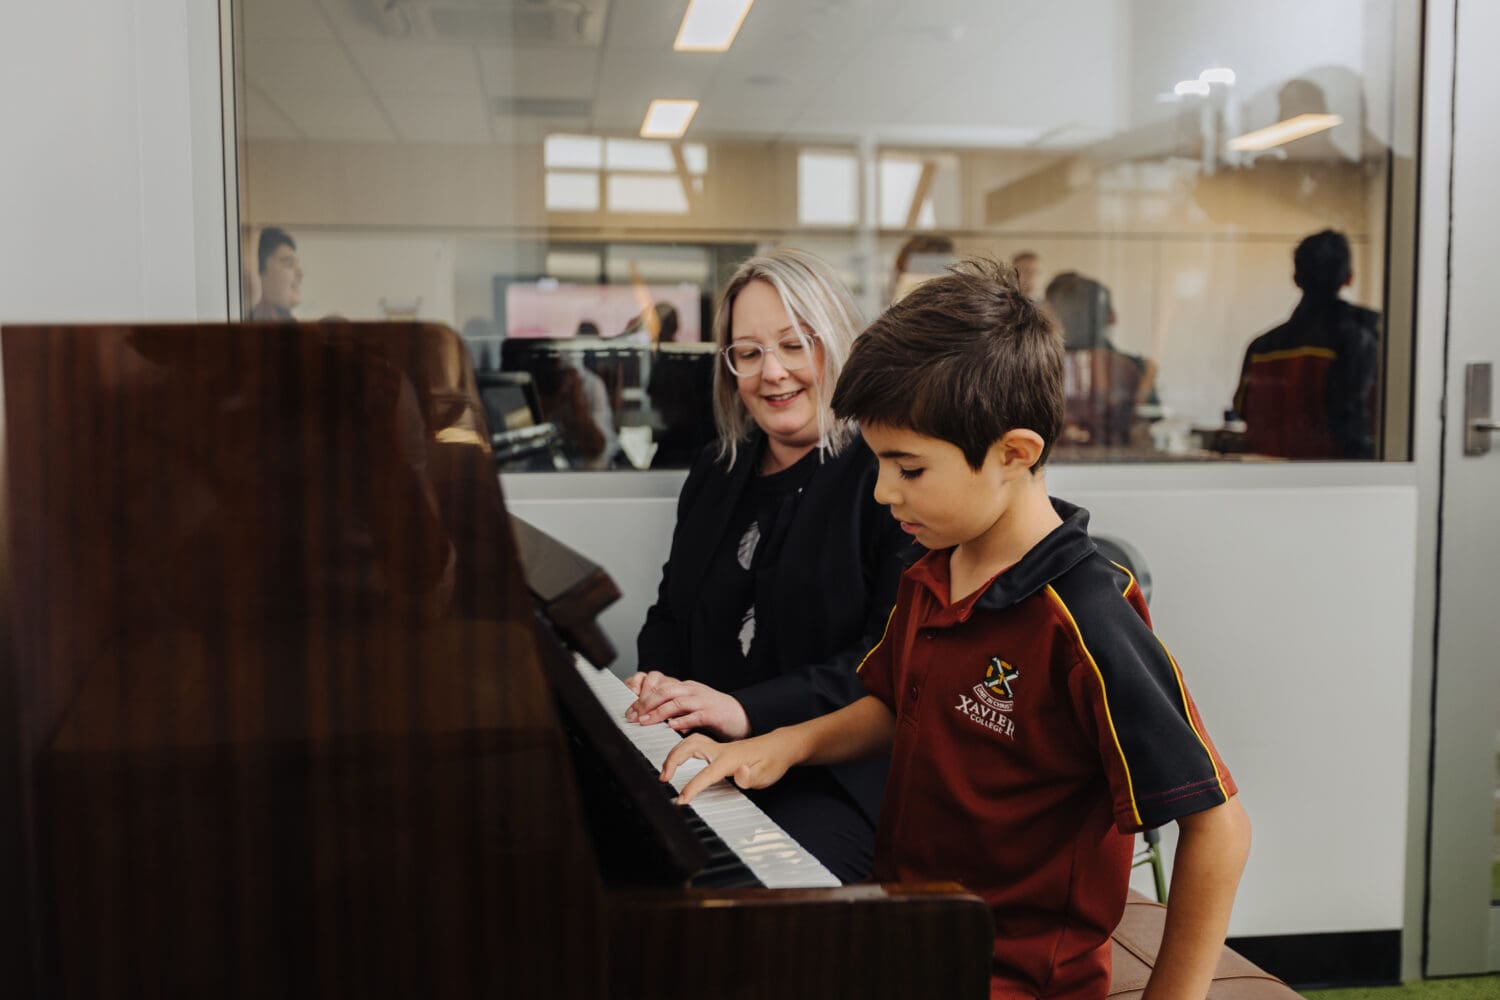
pixel 824 604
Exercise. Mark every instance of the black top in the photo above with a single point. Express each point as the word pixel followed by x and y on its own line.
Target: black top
pixel 725 613
pixel 824 579
pixel 1325 357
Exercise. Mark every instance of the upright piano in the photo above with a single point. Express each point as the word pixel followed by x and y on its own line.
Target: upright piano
pixel 281 717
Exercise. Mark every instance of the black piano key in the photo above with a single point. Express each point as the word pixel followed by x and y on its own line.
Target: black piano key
pixel 731 877
pixel 724 869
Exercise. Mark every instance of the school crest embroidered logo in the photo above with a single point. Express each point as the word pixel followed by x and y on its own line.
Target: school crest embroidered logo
pixel 994 697
pixel 997 678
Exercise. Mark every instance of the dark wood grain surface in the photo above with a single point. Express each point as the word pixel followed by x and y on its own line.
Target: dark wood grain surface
pixel 280 723
pixel 861 941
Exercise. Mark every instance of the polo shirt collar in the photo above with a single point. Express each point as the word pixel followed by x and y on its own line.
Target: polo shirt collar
pixel 1064 547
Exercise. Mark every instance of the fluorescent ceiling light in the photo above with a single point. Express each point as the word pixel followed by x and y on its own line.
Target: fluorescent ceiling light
pixel 1197 88
pixel 1218 74
pixel 710 25
pixel 1283 132
pixel 667 119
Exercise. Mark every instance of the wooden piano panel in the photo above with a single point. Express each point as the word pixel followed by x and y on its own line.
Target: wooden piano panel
pixel 276 704
pixel 867 941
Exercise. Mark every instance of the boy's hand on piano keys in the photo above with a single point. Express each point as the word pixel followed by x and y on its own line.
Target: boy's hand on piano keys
pixel 685 705
pixel 752 763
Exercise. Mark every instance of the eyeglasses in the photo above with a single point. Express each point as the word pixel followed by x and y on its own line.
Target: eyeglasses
pixel 746 358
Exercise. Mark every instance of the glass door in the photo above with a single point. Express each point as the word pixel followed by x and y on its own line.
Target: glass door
pixel 1463 929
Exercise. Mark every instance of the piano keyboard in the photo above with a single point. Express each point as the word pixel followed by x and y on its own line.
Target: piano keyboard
pixel 770 854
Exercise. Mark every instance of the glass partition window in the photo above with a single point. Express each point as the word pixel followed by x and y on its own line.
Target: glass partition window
pixel 1151 167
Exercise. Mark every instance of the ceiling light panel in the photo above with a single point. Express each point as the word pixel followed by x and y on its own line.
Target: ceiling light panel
pixel 1283 132
pixel 710 25
pixel 668 119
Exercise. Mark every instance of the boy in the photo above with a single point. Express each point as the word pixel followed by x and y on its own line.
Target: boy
pixel 1034 720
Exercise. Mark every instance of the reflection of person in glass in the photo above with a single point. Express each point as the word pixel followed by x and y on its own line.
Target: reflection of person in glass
pixel 1028 267
pixel 681 393
pixel 1306 388
pixel 922 256
pixel 575 399
pixel 1104 385
pixel 280 275
pixel 259 496
pixel 783 567
pixel 653 325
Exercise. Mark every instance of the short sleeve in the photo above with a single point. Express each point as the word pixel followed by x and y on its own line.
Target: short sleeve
pixel 877 669
pixel 1129 693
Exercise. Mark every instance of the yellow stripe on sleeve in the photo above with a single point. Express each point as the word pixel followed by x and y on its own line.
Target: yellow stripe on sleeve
pixel 1104 695
pixel 1188 714
pixel 883 633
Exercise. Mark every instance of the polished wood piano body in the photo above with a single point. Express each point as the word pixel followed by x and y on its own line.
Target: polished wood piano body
pixel 278 717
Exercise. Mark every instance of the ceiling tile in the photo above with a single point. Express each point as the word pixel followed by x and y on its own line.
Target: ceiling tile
pixel 557 72
pixel 439 119
pixel 352 119
pixel 263 120
pixel 303 68
pixel 644 24
pixel 284 20
pixel 630 78
pixel 419 69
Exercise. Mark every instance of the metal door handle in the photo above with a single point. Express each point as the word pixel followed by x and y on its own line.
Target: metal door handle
pixel 1478 423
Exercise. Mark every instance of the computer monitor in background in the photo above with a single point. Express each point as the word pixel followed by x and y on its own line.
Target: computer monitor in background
pixel 510 400
pixel 681 393
pixel 549 309
pixel 519 435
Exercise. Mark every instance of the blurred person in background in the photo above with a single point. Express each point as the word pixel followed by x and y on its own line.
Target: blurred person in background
pixel 280 275
pixel 1028 267
pixel 922 256
pixel 1307 387
pixel 1105 386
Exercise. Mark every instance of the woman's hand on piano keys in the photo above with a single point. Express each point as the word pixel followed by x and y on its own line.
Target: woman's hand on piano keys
pixel 752 763
pixel 685 705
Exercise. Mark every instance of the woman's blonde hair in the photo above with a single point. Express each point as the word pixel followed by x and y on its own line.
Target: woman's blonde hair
pixel 815 297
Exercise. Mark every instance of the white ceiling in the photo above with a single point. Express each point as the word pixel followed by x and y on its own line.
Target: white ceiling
pixel 1001 73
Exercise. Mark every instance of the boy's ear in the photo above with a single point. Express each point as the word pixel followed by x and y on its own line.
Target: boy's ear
pixel 1020 448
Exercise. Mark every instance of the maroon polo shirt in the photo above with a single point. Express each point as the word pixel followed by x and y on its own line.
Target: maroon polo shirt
pixel 1039 724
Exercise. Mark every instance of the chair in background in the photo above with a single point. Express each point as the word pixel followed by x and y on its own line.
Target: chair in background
pixel 518 434
pixel 681 388
pixel 1150 854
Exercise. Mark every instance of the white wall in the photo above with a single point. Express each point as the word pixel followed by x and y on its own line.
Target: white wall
pixel 110 114
pixel 351 274
pixel 1285 593
pixel 1290 610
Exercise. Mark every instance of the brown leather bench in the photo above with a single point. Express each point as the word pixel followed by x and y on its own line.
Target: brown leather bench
pixel 1137 939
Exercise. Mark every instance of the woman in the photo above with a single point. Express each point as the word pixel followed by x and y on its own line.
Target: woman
pixel 783 567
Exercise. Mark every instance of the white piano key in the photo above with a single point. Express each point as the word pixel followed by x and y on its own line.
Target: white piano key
pixel 764 847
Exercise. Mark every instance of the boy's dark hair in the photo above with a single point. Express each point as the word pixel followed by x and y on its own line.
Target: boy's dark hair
pixel 964 357
pixel 1322 262
pixel 272 238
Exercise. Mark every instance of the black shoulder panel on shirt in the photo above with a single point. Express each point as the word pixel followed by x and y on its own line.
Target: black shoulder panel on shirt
pixel 1167 761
